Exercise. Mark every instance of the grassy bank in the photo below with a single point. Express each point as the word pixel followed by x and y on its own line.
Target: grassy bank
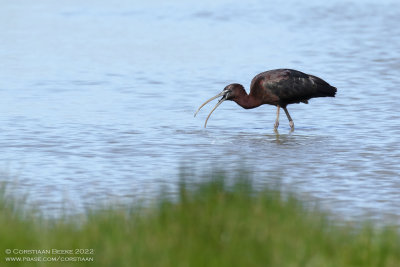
pixel 209 224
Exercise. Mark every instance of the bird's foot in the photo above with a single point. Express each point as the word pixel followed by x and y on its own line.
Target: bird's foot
pixel 291 123
pixel 276 125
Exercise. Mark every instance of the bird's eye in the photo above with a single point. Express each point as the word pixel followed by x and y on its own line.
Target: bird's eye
pixel 228 94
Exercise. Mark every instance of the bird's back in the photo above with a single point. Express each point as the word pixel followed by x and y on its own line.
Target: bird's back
pixel 287 86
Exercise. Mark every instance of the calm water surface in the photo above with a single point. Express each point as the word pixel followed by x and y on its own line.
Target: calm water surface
pixel 97 99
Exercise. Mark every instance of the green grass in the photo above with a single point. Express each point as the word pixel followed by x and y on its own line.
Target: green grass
pixel 208 224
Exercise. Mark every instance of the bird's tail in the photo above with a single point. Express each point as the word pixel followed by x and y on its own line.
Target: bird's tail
pixel 324 88
pixel 328 91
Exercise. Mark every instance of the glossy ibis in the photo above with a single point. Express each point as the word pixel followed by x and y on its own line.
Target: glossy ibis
pixel 279 87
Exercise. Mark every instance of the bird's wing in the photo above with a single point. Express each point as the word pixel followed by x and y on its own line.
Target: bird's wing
pixel 294 86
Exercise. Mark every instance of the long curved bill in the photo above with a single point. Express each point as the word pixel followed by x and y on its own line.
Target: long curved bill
pixel 209 100
pixel 223 94
pixel 219 103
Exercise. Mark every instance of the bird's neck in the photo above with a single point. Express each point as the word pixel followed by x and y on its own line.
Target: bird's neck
pixel 247 101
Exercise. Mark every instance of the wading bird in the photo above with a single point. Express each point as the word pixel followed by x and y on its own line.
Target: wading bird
pixel 279 87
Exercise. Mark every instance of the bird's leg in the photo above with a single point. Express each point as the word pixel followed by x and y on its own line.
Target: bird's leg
pixel 277 118
pixel 289 118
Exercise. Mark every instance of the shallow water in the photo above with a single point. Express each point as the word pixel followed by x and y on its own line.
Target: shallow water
pixel 97 99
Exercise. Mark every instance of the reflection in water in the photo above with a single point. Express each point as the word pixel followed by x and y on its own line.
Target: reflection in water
pixel 281 139
pixel 97 102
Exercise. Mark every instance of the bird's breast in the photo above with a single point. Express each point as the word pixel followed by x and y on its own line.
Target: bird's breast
pixel 265 92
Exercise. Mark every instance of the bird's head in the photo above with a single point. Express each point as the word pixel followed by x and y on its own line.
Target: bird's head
pixel 230 92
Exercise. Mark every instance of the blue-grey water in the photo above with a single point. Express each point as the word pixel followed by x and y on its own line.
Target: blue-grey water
pixel 97 99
